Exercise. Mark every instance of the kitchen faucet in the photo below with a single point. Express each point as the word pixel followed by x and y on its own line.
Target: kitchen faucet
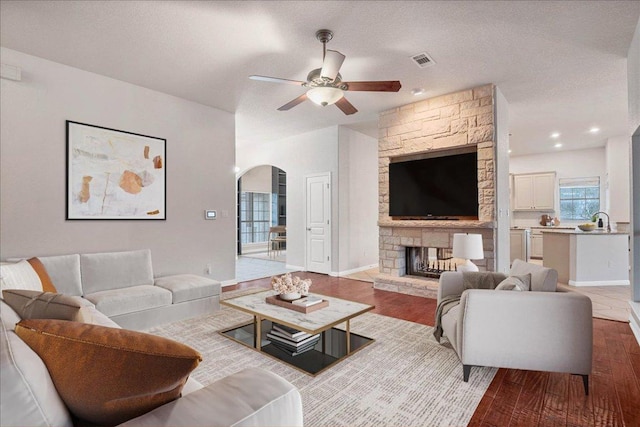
pixel 608 221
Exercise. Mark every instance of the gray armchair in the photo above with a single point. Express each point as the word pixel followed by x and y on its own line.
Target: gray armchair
pixel 540 330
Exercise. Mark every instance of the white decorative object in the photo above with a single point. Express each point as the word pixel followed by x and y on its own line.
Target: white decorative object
pixel 286 286
pixel 290 296
pixel 468 247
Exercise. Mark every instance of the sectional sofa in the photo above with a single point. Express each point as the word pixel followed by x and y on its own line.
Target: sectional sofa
pixel 110 291
pixel 123 287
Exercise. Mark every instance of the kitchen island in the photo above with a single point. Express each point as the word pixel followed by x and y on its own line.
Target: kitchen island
pixel 594 258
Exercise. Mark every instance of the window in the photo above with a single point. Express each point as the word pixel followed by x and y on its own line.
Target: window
pixel 255 212
pixel 579 198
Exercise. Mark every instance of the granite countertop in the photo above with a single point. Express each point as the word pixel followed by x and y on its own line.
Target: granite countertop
pixel 578 231
pixel 555 227
pixel 542 227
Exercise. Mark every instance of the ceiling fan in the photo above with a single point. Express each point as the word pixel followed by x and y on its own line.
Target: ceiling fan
pixel 325 85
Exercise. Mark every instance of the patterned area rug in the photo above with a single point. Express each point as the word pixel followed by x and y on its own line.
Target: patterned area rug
pixel 405 378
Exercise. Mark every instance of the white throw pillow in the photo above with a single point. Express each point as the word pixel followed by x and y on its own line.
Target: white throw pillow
pixel 19 275
pixel 515 283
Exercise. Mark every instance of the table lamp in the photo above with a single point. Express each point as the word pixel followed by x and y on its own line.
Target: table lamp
pixel 467 246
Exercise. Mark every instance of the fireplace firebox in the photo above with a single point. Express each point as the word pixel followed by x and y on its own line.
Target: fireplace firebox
pixel 429 262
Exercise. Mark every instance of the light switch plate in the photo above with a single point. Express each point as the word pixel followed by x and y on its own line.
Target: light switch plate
pixel 210 214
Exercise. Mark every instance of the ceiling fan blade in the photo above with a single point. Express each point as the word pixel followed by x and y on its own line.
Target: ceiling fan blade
pixel 277 80
pixel 346 106
pixel 383 86
pixel 289 105
pixel 332 62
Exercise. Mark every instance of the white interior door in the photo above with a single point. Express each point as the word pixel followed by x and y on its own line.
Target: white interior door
pixel 318 223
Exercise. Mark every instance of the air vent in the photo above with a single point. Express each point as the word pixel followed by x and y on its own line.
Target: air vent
pixel 10 72
pixel 423 60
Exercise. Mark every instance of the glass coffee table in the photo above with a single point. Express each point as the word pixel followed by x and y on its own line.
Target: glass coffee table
pixel 333 345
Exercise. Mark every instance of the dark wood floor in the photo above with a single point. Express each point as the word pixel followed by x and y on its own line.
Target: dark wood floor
pixel 524 398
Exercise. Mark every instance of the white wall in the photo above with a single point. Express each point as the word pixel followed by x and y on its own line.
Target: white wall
pixel 566 164
pixel 633 81
pixel 633 84
pixel 200 159
pixel 358 201
pixel 618 203
pixel 502 235
pixel 300 155
pixel 257 180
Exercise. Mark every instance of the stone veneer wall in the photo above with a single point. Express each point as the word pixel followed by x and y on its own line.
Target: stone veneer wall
pixel 445 122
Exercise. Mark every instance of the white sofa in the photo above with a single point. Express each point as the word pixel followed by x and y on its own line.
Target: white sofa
pixel 122 286
pixel 540 330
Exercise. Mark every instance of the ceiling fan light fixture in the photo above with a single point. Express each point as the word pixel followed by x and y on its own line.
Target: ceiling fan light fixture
pixel 325 95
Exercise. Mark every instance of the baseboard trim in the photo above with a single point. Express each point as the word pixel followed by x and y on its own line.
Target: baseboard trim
pixel 294 267
pixel 578 283
pixel 230 282
pixel 357 270
pixel 634 319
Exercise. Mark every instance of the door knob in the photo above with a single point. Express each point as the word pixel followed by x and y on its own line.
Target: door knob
pixel 308 228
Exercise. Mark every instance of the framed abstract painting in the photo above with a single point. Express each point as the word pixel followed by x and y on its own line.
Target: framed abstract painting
pixel 112 174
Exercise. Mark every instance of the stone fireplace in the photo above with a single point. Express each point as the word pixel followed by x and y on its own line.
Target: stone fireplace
pixel 447 122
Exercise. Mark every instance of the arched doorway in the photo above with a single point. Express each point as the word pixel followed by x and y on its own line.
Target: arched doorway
pixel 261 206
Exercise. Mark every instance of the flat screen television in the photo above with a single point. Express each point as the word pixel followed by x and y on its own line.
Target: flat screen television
pixel 437 187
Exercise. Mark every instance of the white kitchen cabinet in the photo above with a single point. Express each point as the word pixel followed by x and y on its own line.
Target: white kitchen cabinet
pixel 536 243
pixel 519 240
pixel 534 192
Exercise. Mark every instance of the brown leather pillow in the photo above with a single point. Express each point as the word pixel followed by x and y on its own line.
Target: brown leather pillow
pixel 44 305
pixel 41 271
pixel 107 375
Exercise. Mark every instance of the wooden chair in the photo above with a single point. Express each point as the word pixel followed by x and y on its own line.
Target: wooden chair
pixel 277 238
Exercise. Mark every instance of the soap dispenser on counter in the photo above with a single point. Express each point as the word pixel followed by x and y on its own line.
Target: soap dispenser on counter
pixel 600 223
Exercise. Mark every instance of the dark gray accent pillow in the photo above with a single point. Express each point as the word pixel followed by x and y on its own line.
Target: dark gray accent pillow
pixel 43 305
pixel 481 279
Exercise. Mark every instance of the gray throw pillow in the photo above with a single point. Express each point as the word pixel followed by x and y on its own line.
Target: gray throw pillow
pixel 515 283
pixel 43 305
pixel 481 279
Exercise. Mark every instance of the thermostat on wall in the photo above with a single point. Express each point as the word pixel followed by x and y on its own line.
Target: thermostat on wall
pixel 210 214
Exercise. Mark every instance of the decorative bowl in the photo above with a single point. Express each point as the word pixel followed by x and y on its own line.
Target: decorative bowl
pixel 290 296
pixel 587 226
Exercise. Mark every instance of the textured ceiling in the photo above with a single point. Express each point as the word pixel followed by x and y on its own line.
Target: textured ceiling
pixel 560 65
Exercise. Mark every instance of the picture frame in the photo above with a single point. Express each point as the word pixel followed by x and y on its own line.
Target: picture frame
pixel 114 174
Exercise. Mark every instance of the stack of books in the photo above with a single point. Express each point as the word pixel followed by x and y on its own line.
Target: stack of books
pixel 307 301
pixel 290 340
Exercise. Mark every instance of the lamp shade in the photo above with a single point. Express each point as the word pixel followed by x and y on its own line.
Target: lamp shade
pixel 325 95
pixel 468 246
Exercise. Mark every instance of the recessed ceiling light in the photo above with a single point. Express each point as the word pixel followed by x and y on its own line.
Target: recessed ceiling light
pixel 509 150
pixel 594 130
pixel 555 135
pixel 417 91
pixel 558 145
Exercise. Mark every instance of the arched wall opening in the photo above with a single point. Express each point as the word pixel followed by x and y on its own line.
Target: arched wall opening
pixel 261 206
